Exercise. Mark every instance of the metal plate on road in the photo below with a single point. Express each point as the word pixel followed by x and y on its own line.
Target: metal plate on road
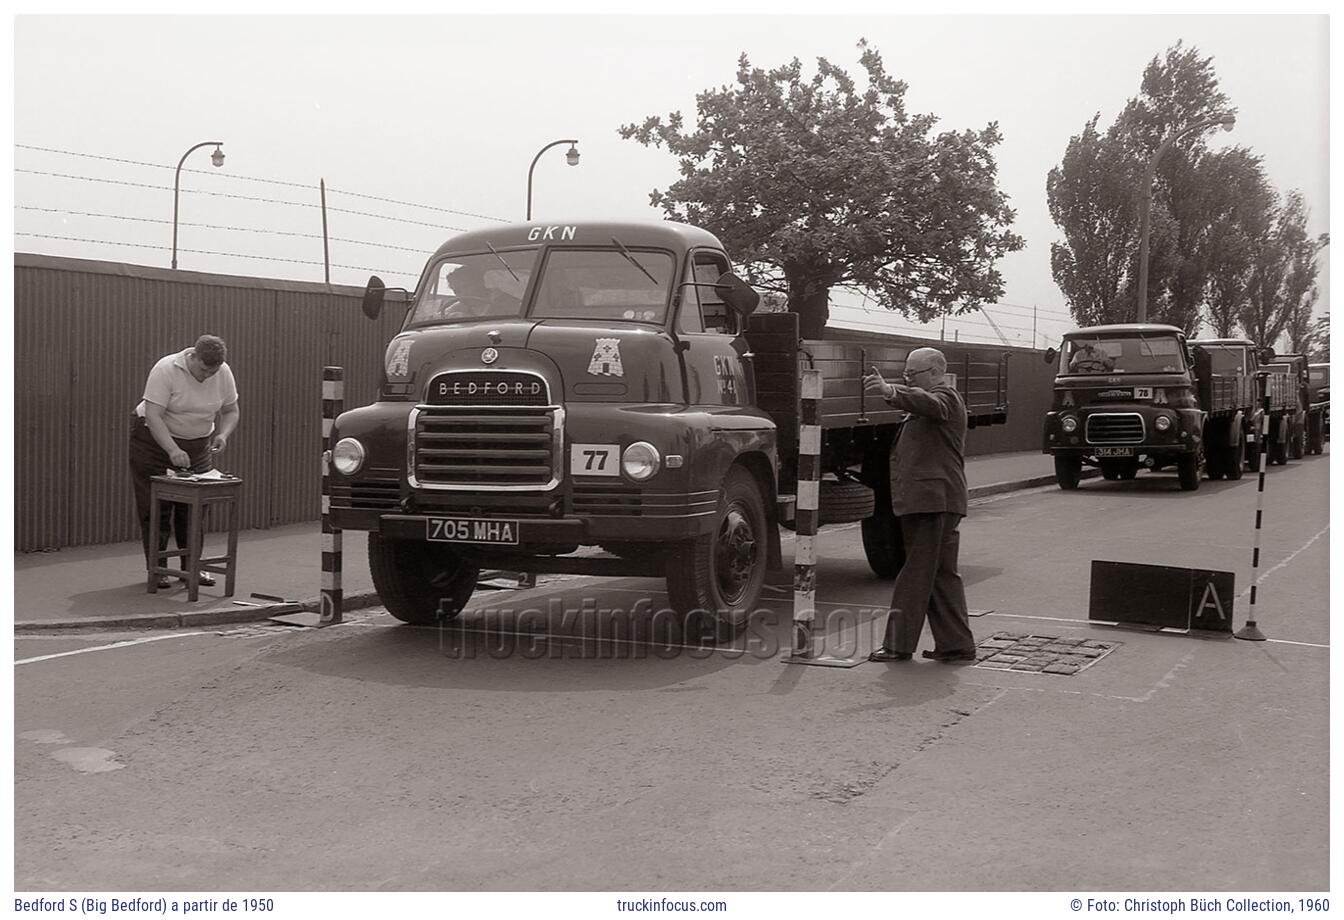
pixel 1042 654
pixel 1115 451
pixel 471 530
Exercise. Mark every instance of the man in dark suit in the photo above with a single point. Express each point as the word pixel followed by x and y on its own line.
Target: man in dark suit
pixel 928 496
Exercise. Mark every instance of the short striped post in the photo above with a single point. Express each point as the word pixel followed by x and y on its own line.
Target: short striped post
pixel 806 515
pixel 333 401
pixel 1250 631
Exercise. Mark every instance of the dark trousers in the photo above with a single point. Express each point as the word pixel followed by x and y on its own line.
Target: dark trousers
pixel 148 459
pixel 929 586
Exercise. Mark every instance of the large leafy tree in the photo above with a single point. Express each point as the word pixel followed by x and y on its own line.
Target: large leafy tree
pixel 1242 212
pixel 1283 274
pixel 1091 198
pixel 1094 199
pixel 817 182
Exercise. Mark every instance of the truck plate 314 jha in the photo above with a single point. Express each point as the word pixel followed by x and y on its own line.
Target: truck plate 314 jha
pixel 555 387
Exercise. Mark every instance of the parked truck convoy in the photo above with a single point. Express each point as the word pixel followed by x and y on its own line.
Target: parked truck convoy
pixel 1304 421
pixel 1133 396
pixel 559 388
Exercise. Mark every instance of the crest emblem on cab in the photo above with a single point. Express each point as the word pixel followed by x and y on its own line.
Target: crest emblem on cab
pixel 606 360
pixel 489 356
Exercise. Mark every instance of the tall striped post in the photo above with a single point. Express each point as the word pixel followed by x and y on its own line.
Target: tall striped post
pixel 333 401
pixel 1250 631
pixel 806 515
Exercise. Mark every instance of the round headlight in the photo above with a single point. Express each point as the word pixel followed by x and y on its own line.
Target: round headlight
pixel 1162 423
pixel 347 456
pixel 1069 423
pixel 640 461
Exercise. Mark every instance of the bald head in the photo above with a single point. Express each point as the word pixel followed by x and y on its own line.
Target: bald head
pixel 925 367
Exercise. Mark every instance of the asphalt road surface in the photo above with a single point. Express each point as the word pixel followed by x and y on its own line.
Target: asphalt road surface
pixel 514 750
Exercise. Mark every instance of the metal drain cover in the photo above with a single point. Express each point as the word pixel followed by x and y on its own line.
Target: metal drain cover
pixel 1046 654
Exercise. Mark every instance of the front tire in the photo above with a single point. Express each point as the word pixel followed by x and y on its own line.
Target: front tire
pixel 1068 471
pixel 1234 460
pixel 420 583
pixel 1315 434
pixel 714 582
pixel 1187 471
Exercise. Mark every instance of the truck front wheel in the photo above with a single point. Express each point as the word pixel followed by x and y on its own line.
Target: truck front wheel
pixel 419 582
pixel 1068 471
pixel 1187 471
pixel 1234 458
pixel 714 582
pixel 1315 433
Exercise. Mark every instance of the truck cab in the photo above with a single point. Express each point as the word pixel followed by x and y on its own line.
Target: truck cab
pixel 563 386
pixel 1125 395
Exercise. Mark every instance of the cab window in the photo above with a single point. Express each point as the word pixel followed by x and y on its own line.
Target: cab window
pixel 702 310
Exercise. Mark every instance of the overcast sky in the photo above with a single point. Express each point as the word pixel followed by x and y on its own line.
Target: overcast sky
pixel 448 112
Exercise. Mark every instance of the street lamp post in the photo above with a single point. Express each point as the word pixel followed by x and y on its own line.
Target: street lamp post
pixel 217 158
pixel 1146 200
pixel 571 157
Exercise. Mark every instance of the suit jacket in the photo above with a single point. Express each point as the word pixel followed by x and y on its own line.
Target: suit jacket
pixel 927 465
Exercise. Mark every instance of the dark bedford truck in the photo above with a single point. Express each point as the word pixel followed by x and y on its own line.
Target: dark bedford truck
pixel 1129 396
pixel 1237 369
pixel 605 399
pixel 1303 424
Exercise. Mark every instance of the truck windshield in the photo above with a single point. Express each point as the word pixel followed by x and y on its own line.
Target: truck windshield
pixel 605 284
pixel 461 288
pixel 1129 354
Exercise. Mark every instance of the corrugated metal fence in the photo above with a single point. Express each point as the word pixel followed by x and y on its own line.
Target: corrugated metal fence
pixel 87 332
pixel 85 336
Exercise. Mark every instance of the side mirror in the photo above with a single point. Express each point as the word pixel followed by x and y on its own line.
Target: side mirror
pixel 1050 356
pixel 1266 355
pixel 737 294
pixel 374 292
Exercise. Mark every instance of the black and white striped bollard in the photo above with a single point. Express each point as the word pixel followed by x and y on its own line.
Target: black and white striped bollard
pixel 1250 630
pixel 333 401
pixel 807 514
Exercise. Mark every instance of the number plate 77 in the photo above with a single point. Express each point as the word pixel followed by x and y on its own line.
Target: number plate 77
pixel 594 459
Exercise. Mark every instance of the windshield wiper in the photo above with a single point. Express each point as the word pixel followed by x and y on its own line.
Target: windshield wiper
pixel 502 262
pixel 631 259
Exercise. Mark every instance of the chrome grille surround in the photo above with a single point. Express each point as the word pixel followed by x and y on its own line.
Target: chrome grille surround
pixel 1114 428
pixel 450 447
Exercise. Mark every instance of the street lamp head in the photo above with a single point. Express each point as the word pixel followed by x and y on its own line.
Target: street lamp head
pixel 217 157
pixel 572 156
pixel 1228 122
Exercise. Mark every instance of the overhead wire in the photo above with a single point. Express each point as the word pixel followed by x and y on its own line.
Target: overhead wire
pixel 211 252
pixel 282 182
pixel 297 204
pixel 160 220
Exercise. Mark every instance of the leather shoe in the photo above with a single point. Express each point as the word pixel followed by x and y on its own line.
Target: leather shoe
pixel 163 582
pixel 956 654
pixel 883 654
pixel 207 579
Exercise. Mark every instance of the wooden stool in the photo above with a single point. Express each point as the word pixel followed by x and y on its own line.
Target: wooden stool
pixel 197 495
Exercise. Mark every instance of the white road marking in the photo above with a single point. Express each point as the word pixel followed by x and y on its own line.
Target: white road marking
pixel 1291 556
pixel 100 648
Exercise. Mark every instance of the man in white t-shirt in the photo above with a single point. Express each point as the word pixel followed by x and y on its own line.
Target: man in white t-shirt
pixel 175 426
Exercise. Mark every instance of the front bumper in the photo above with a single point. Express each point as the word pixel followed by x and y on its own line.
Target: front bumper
pixel 1141 436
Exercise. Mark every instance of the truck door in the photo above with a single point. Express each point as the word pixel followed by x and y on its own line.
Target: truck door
pixel 710 332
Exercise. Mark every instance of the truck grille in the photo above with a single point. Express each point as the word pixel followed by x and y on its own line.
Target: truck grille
pixel 473 448
pixel 372 494
pixel 1115 428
